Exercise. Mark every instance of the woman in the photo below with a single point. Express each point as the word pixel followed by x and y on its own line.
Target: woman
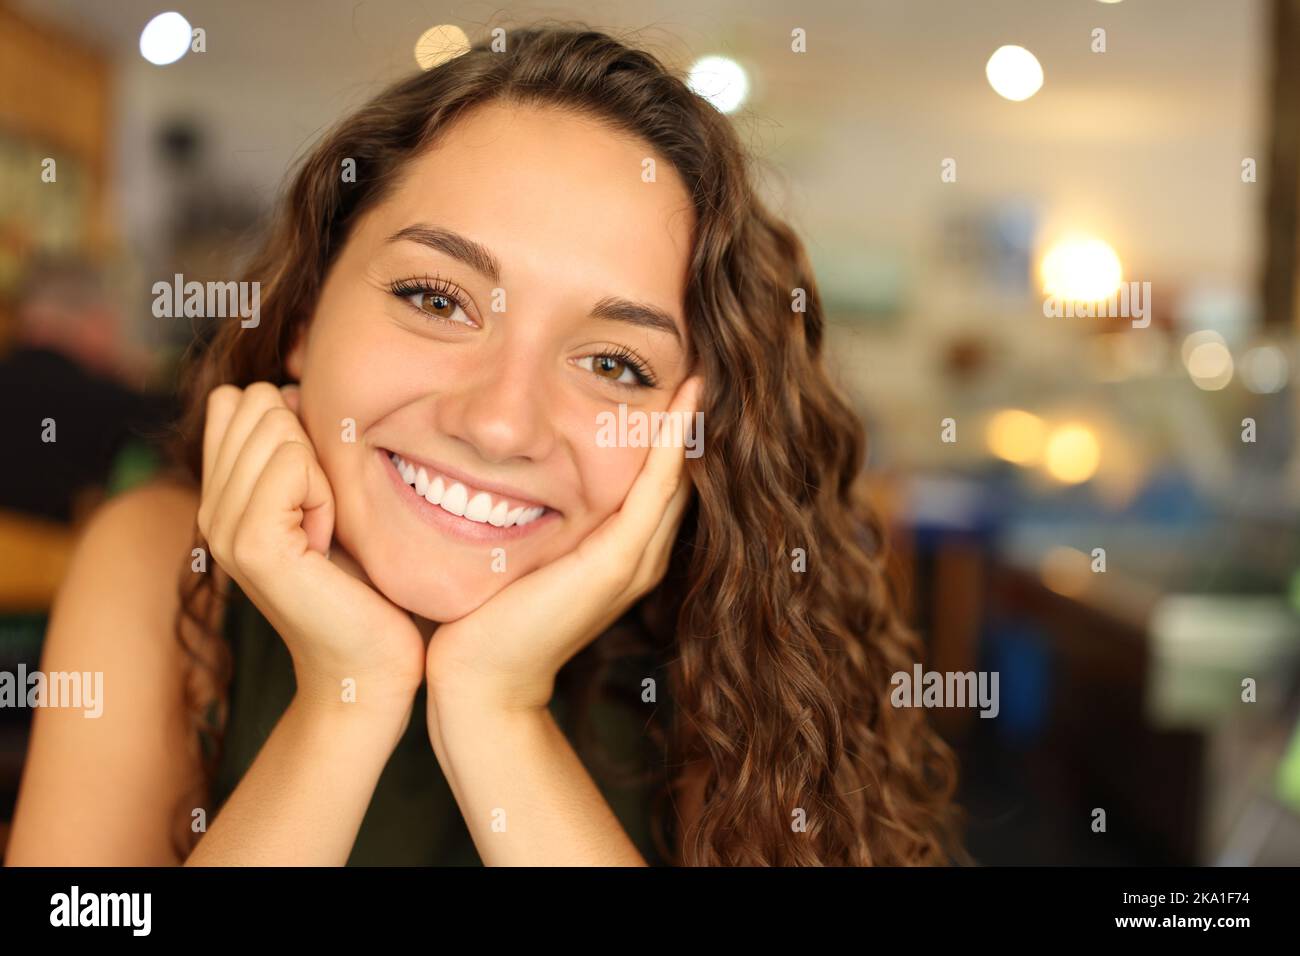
pixel 400 470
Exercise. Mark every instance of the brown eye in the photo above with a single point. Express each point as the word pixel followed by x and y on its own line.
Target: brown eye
pixel 624 370
pixel 607 366
pixel 438 306
pixel 435 303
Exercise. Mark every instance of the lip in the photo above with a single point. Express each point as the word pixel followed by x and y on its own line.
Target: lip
pixel 450 524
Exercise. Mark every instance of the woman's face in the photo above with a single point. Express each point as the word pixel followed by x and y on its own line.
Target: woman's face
pixel 521 280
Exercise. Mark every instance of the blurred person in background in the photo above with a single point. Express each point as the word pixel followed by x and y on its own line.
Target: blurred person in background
pixel 70 363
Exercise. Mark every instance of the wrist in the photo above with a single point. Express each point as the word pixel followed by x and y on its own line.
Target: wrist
pixel 333 686
pixel 453 686
pixel 377 718
pixel 463 720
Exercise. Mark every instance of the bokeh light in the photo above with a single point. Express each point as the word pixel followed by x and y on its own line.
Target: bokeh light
pixel 1073 453
pixel 1016 436
pixel 1014 73
pixel 720 80
pixel 1081 270
pixel 1207 360
pixel 1264 369
pixel 439 44
pixel 165 38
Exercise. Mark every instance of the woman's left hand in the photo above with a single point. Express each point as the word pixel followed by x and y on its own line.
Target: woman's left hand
pixel 505 654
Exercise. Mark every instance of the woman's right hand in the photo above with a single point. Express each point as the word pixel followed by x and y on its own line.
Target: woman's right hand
pixel 267 513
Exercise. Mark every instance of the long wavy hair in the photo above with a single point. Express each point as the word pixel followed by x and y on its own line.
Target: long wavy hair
pixel 778 677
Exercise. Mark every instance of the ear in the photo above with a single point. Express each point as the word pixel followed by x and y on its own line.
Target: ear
pixel 293 361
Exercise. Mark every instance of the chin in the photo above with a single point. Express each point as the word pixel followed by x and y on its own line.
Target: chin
pixel 441 593
pixel 441 602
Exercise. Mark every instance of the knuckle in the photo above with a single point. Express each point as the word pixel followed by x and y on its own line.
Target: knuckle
pixel 281 417
pixel 262 392
pixel 217 548
pixel 221 394
pixel 278 420
pixel 220 555
pixel 216 530
pixel 290 453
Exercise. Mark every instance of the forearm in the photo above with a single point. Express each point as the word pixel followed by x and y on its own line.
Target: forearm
pixel 302 800
pixel 525 796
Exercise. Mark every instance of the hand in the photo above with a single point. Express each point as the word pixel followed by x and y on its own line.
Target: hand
pixel 505 654
pixel 267 513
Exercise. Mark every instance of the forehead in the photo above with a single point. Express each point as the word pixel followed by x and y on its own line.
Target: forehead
pixel 555 195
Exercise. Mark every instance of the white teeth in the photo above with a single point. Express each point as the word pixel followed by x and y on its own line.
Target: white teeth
pixel 455 499
pixel 529 516
pixel 433 494
pixel 479 507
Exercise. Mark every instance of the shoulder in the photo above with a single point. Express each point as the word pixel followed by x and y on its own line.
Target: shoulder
pixel 123 773
pixel 153 513
pixel 132 552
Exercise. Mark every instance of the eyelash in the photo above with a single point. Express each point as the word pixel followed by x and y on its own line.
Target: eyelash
pixel 645 377
pixel 429 285
pixel 435 285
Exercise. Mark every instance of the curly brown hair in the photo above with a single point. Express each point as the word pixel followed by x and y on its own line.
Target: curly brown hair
pixel 779 679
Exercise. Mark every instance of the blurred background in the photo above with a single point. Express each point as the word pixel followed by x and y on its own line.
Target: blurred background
pixel 1100 508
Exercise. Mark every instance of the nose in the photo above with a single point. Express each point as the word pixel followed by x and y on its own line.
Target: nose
pixel 499 408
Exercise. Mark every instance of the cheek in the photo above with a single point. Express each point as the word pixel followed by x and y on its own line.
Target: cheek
pixel 604 472
pixel 606 475
pixel 354 373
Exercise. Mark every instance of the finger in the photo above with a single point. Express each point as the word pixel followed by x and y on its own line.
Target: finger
pixel 658 481
pixel 612 553
pixel 276 426
pixel 291 394
pixel 659 551
pixel 585 591
pixel 222 402
pixel 256 399
pixel 291 501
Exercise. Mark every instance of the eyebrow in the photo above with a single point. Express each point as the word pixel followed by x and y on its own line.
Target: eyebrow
pixel 617 309
pixel 479 258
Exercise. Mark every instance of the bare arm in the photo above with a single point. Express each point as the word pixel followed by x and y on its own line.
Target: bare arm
pixel 525 795
pixel 267 515
pixel 104 790
pixel 302 801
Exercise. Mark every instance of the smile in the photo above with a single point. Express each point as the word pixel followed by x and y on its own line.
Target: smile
pixel 461 508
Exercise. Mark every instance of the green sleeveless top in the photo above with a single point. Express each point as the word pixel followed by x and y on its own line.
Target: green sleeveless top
pixel 413 818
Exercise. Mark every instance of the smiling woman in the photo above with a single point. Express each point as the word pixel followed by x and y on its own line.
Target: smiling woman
pixel 405 480
pixel 497 288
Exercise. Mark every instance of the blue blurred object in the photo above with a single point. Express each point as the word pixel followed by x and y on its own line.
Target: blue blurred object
pixel 1020 655
pixel 1010 230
